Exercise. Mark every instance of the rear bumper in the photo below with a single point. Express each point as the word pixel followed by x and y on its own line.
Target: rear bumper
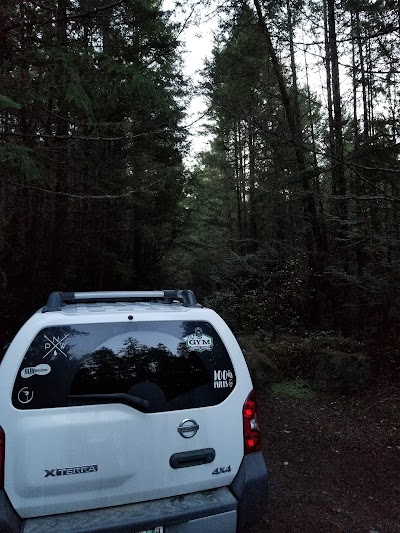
pixel 250 488
pixel 223 510
pixel 10 522
pixel 213 510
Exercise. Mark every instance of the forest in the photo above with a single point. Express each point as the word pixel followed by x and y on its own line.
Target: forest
pixel 289 221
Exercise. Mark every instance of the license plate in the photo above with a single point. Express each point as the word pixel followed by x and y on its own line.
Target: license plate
pixel 159 529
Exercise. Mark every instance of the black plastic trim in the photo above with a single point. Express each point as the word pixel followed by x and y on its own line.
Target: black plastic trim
pixel 250 488
pixel 127 399
pixel 188 298
pixel 192 458
pixel 10 521
pixel 53 303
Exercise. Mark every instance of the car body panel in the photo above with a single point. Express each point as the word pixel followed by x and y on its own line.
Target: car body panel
pixel 112 454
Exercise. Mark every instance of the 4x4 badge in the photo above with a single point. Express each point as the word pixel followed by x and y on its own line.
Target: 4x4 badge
pixel 199 341
pixel 188 428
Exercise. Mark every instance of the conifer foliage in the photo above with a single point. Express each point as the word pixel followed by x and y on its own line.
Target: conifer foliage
pixel 289 220
pixel 90 145
pixel 307 180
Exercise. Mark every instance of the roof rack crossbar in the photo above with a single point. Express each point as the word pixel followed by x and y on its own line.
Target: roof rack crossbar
pixel 57 300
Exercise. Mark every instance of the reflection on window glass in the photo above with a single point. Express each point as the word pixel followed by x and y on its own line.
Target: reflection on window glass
pixel 171 365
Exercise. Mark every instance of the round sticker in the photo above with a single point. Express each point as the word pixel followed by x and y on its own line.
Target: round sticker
pixel 25 395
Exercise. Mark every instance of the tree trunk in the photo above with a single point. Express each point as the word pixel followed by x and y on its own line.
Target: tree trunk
pixel 363 80
pixel 237 182
pixel 331 138
pixel 252 191
pixel 338 174
pixel 354 79
pixel 315 235
pixel 61 166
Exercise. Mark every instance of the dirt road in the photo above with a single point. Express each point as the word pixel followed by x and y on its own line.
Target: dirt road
pixel 334 462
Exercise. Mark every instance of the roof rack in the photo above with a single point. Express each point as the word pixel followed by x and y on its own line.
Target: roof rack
pixel 57 300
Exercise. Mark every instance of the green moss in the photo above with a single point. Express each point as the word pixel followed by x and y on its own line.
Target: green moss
pixel 295 389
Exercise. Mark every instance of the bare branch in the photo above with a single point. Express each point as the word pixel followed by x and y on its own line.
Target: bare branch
pixel 90 13
pixel 83 137
pixel 128 193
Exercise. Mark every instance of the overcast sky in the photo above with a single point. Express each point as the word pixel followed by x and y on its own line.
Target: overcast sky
pixel 197 38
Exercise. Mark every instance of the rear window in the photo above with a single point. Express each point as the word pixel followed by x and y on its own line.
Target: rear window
pixel 153 366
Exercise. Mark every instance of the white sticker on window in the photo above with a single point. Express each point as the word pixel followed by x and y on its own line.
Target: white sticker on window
pixel 55 346
pixel 223 379
pixel 199 341
pixel 39 370
pixel 25 395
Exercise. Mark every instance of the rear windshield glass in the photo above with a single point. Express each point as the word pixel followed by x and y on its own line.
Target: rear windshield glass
pixel 153 366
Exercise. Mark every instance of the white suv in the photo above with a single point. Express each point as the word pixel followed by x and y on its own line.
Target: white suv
pixel 128 412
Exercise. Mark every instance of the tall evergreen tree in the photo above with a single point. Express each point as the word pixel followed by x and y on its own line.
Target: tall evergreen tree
pixel 91 144
pixel 352 180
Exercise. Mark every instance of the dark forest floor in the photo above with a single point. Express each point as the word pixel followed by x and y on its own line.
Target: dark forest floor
pixel 334 462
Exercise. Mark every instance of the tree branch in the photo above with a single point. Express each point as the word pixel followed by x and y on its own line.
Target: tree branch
pixel 91 13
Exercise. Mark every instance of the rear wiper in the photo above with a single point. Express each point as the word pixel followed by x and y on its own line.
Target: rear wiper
pixel 127 399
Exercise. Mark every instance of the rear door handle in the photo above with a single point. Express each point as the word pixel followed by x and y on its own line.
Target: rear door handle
pixel 192 458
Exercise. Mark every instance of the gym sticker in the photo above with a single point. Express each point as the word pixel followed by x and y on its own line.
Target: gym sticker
pixel 199 341
pixel 38 370
pixel 223 379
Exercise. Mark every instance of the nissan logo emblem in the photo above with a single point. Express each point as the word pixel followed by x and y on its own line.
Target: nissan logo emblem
pixel 188 428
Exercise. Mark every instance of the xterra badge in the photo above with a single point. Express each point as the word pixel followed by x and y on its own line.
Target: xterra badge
pixel 72 470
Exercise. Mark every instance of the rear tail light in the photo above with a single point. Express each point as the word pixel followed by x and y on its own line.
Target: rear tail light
pixel 2 448
pixel 251 429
